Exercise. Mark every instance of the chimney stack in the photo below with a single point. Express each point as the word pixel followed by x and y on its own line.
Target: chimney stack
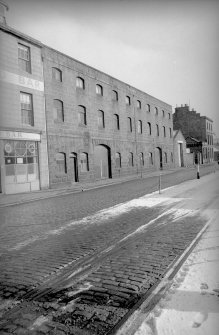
pixel 3 8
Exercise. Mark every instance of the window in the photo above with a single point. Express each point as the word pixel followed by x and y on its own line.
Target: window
pixel 61 163
pixel 99 90
pixel 84 162
pixel 118 160
pixel 26 108
pixel 80 83
pixel 139 126
pixel 170 132
pixel 171 157
pixel 164 131
pixel 157 129
pixel 101 123
pixel 165 157
pixel 116 121
pixel 150 158
pixel 148 108
pixel 149 128
pixel 82 119
pixel 156 110
pixel 127 100
pixel 56 74
pixel 130 159
pixel 115 95
pixel 58 110
pixel 129 124
pixel 169 116
pixel 163 113
pixel 24 58
pixel 141 159
pixel 138 104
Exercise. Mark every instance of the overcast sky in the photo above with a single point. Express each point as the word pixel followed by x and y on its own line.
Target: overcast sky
pixel 167 48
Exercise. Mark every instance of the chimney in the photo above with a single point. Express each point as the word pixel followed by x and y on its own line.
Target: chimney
pixel 3 8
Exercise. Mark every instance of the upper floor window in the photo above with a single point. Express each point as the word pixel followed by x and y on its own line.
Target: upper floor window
pixel 82 118
pixel 101 122
pixel 130 159
pixel 84 162
pixel 116 121
pixel 164 131
pixel 163 112
pixel 156 110
pixel 80 83
pixel 170 132
pixel 58 110
pixel 99 89
pixel 26 102
pixel 61 163
pixel 169 116
pixel 118 160
pixel 129 124
pixel 115 95
pixel 139 126
pixel 157 129
pixel 138 104
pixel 149 128
pixel 24 58
pixel 148 108
pixel 127 100
pixel 56 74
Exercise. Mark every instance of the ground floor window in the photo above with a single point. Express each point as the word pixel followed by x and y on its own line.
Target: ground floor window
pixel 21 161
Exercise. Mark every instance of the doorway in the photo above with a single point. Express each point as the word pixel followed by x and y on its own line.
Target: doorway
pixel 74 166
pixel 159 156
pixel 102 162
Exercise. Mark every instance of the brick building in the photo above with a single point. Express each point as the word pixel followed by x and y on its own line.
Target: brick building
pixel 196 129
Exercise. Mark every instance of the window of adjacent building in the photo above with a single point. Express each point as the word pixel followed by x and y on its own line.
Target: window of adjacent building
pixel 149 128
pixel 157 129
pixel 170 132
pixel 58 110
pixel 56 74
pixel 115 95
pixel 130 159
pixel 116 121
pixel 148 108
pixel 118 160
pixel 139 126
pixel 156 110
pixel 84 162
pixel 150 155
pixel 82 118
pixel 163 113
pixel 129 124
pixel 141 159
pixel 164 131
pixel 61 163
pixel 127 100
pixel 165 157
pixel 99 90
pixel 80 83
pixel 138 104
pixel 26 108
pixel 101 122
pixel 24 58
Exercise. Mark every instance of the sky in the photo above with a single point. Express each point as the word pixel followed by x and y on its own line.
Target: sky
pixel 166 48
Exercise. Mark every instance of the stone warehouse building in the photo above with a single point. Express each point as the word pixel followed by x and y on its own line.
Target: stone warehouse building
pixel 198 132
pixel 64 122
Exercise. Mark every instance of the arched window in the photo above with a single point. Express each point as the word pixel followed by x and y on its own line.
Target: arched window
pixel 99 89
pixel 82 119
pixel 56 74
pixel 58 110
pixel 157 129
pixel 150 155
pixel 164 131
pixel 169 116
pixel 171 157
pixel 129 124
pixel 116 121
pixel 138 104
pixel 170 132
pixel 61 163
pixel 156 110
pixel 115 95
pixel 149 128
pixel 141 159
pixel 163 113
pixel 118 160
pixel 130 159
pixel 165 157
pixel 148 108
pixel 80 83
pixel 139 126
pixel 84 162
pixel 101 122
pixel 127 100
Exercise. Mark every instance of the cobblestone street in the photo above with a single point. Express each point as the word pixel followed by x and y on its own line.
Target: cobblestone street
pixel 78 263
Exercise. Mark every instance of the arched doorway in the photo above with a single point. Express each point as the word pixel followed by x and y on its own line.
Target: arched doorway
pixel 159 159
pixel 102 162
pixel 74 166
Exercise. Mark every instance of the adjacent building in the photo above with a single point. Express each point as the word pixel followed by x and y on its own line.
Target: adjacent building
pixel 198 132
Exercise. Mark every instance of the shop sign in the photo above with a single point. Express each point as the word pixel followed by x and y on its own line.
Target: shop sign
pixel 21 80
pixel 16 135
